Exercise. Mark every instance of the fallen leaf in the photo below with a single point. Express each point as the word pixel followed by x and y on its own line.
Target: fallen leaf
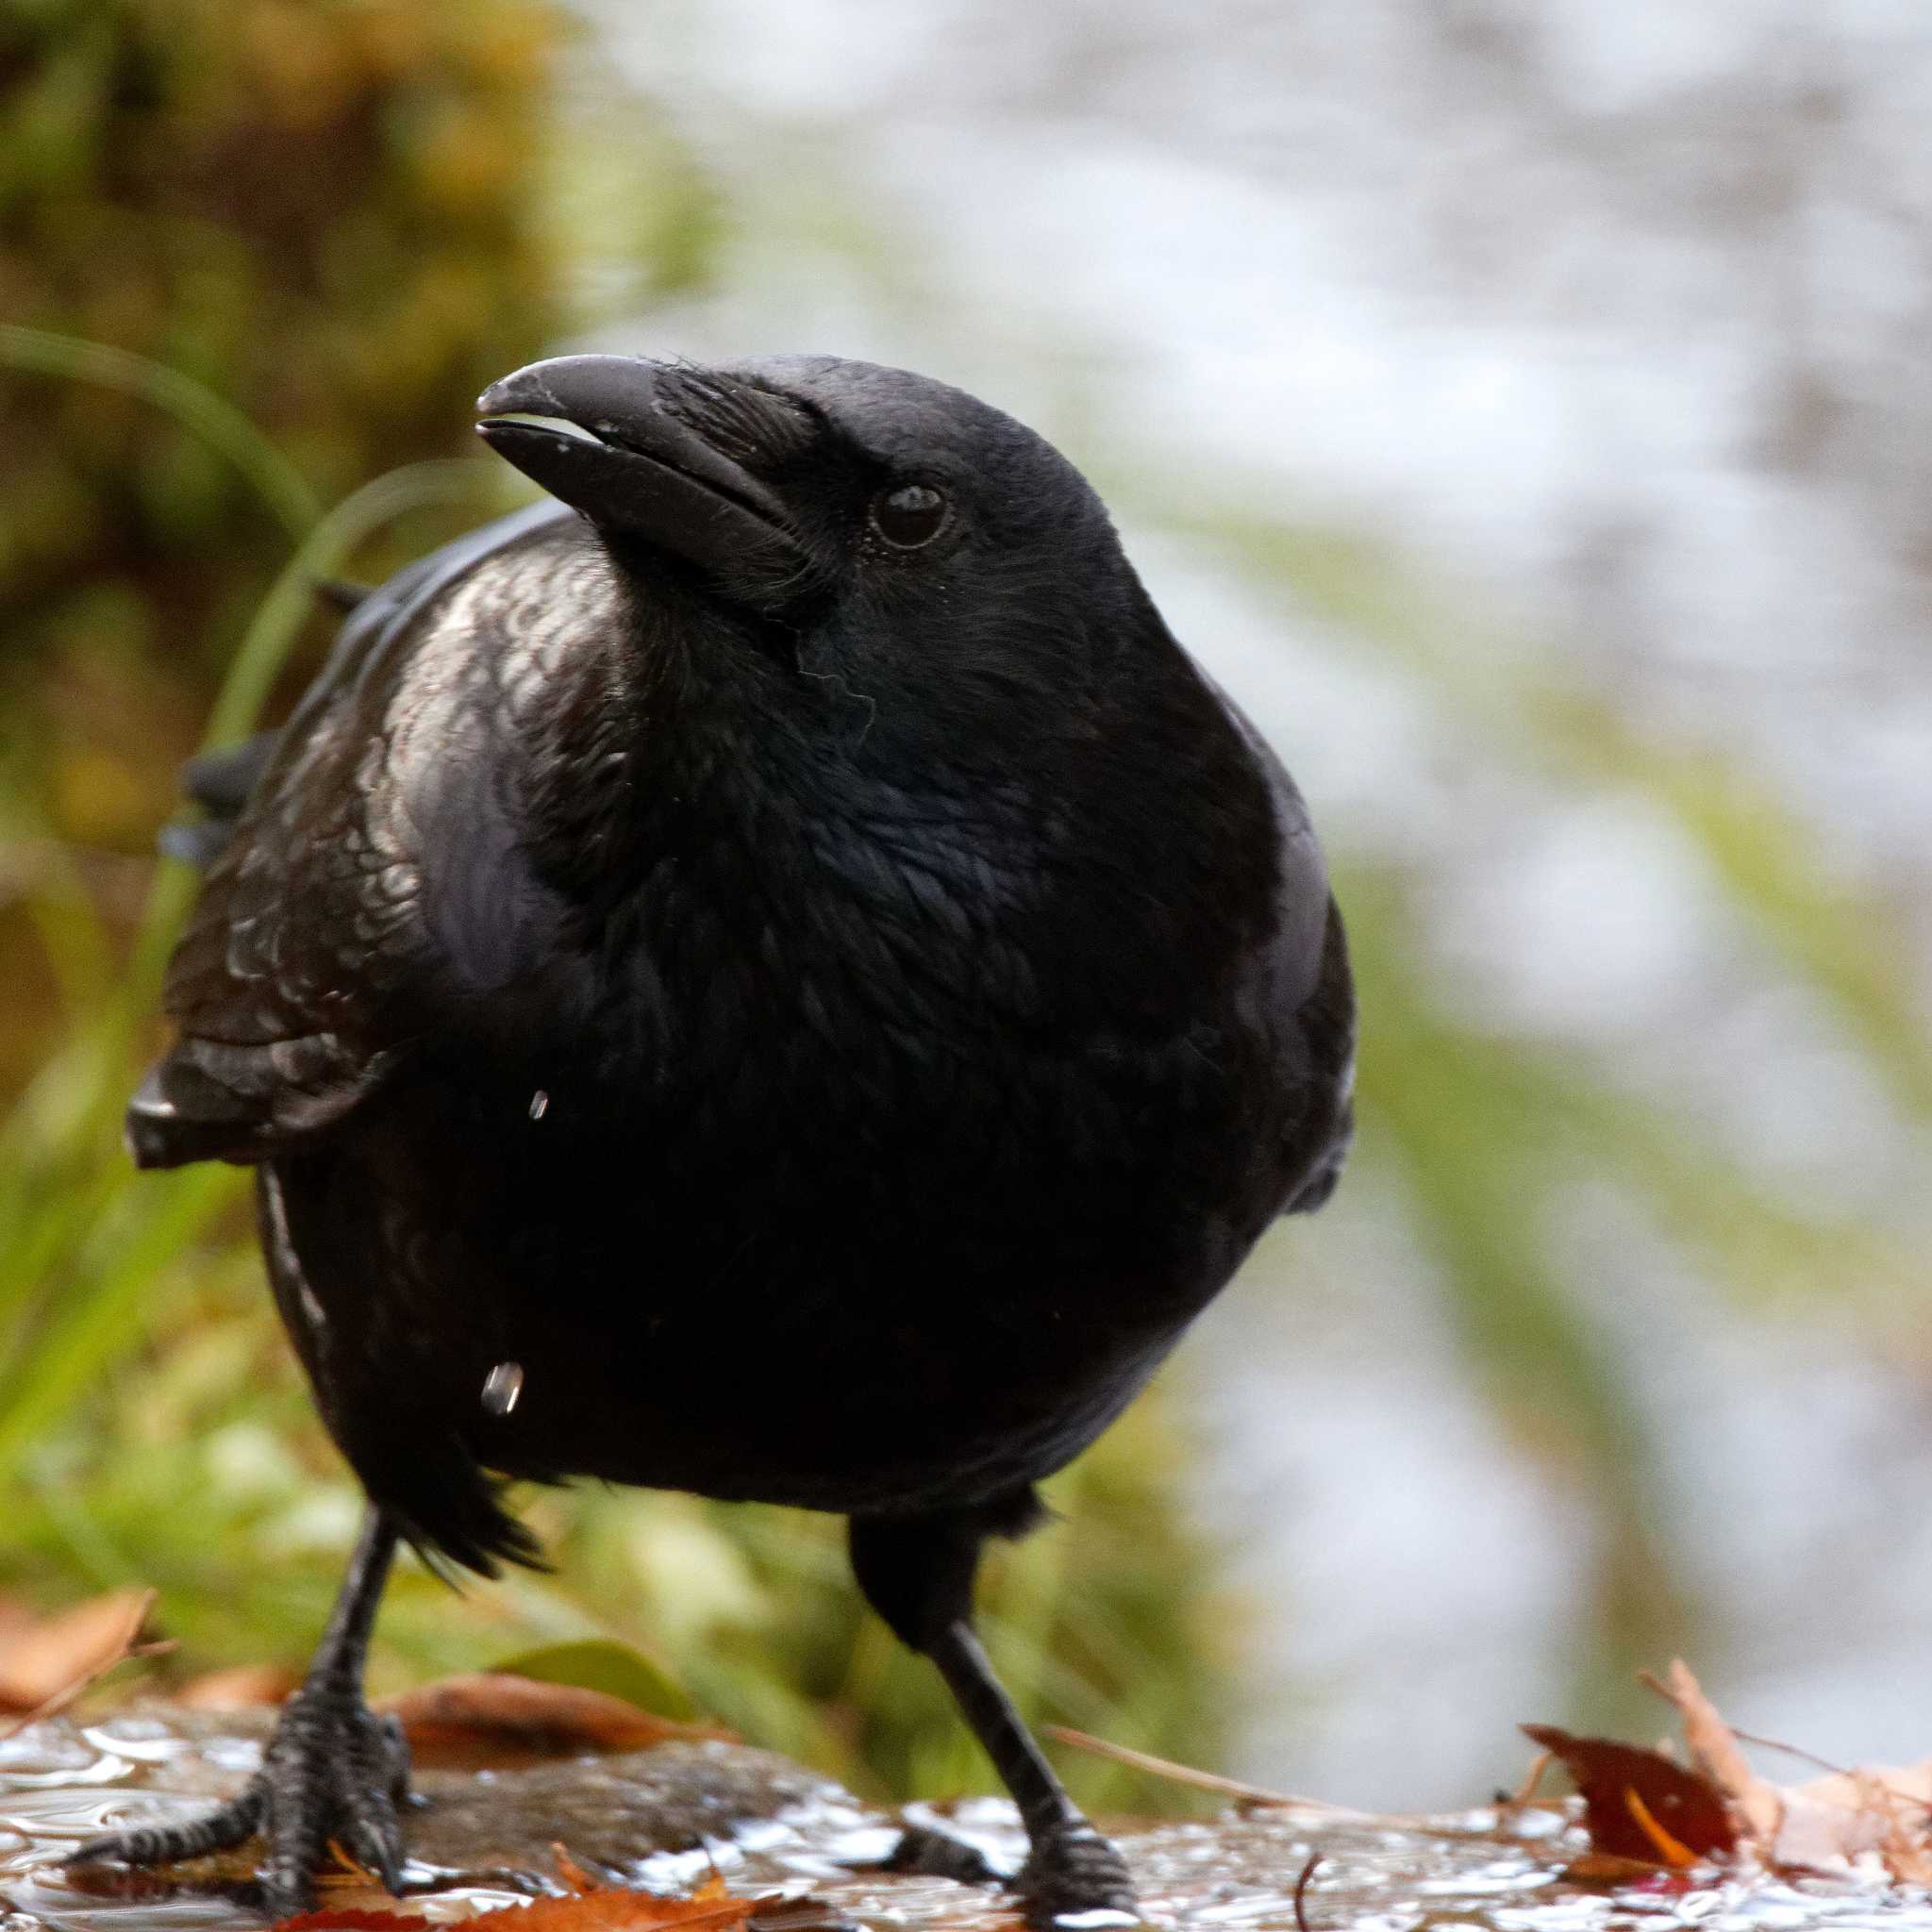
pixel 616 1668
pixel 490 1718
pixel 606 1908
pixel 615 1908
pixel 1876 1811
pixel 1714 1749
pixel 349 1918
pixel 1640 1805
pixel 1624 1875
pixel 1828 1823
pixel 15 1617
pixel 41 1660
pixel 237 1687
pixel 570 1873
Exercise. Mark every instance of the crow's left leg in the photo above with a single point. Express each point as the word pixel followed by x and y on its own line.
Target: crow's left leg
pixel 917 1573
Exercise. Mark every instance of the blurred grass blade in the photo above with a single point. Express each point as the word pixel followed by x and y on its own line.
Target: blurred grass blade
pixel 193 404
pixel 94 1325
pixel 322 552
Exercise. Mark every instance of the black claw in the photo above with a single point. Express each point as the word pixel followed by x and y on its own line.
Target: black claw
pixel 374 1840
pixel 281 1898
pixel 1075 1871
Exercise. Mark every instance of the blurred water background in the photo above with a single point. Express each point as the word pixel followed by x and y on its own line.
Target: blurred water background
pixel 1527 410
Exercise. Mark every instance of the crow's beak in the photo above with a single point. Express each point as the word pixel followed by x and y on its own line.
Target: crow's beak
pixel 613 436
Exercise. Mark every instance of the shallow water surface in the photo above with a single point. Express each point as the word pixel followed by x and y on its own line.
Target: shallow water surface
pixel 665 1818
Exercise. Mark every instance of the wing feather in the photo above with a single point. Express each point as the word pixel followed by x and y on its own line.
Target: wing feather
pixel 322 938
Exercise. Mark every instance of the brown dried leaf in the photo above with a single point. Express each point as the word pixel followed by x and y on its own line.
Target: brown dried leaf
pixel 570 1875
pixel 1874 1811
pixel 606 1909
pixel 1622 1874
pixel 617 1909
pixel 1828 1823
pixel 41 1660
pixel 1643 1806
pixel 350 1919
pixel 490 1718
pixel 15 1617
pixel 1757 1806
pixel 237 1687
pixel 1640 1805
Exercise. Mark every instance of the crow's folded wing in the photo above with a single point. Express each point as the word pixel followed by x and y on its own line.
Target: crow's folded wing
pixel 371 877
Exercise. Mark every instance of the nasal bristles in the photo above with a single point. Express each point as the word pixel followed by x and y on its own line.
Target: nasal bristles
pixel 752 425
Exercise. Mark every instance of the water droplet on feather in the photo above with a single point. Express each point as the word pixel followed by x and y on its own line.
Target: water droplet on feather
pixel 502 1387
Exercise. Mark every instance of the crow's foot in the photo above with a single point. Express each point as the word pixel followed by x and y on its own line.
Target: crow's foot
pixel 334 1771
pixel 936 1854
pixel 1073 1877
pixel 1068 1874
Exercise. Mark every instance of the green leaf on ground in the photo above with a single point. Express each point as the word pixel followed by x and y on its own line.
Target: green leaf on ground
pixel 615 1668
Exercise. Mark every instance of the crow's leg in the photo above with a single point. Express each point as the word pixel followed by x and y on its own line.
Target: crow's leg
pixel 332 1770
pixel 917 1573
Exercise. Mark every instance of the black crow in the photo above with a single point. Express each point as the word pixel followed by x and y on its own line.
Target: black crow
pixel 771 975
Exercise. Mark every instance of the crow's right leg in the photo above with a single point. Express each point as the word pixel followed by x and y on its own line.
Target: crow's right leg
pixel 332 1770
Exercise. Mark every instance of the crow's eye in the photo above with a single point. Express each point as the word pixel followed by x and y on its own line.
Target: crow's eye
pixel 908 516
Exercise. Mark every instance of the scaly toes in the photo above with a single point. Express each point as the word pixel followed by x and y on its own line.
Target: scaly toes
pixel 219 1830
pixel 937 1855
pixel 332 1771
pixel 1074 1872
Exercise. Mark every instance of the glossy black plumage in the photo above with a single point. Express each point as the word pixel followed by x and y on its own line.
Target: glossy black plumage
pixel 830 1011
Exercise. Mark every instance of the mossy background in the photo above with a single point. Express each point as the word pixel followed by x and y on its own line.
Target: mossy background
pixel 324 216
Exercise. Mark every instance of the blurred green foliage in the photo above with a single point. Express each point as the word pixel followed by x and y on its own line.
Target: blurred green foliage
pixel 322 216
pixel 254 252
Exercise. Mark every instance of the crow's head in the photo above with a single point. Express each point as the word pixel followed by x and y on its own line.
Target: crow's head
pixel 878 615
pixel 853 525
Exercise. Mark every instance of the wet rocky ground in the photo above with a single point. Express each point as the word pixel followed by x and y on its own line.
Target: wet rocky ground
pixel 666 1817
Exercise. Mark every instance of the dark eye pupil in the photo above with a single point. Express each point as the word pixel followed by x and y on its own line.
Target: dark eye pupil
pixel 908 516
